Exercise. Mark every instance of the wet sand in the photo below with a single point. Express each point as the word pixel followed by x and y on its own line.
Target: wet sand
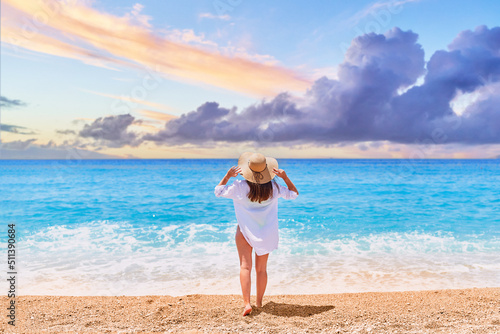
pixel 440 311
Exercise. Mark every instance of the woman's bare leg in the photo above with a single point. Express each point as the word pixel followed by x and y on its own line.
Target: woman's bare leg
pixel 261 269
pixel 245 254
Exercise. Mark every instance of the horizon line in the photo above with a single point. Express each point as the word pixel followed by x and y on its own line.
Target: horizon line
pixel 49 159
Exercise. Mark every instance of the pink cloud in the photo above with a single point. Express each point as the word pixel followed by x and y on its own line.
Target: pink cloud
pixel 76 30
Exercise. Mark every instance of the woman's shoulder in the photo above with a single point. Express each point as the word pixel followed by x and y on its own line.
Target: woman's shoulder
pixel 276 184
pixel 241 184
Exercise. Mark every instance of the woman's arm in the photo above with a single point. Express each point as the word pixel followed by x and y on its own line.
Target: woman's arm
pixel 232 172
pixel 281 173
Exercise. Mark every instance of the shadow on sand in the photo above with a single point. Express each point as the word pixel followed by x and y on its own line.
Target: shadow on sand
pixel 291 310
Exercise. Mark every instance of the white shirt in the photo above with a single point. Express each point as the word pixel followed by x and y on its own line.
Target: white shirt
pixel 258 221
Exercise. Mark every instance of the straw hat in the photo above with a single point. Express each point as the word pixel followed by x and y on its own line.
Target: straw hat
pixel 256 167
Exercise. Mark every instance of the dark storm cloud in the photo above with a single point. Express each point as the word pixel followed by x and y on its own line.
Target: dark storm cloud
pixel 7 103
pixel 375 97
pixel 211 122
pixel 365 103
pixel 112 131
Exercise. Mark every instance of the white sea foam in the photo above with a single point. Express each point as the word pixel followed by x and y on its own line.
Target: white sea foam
pixel 116 258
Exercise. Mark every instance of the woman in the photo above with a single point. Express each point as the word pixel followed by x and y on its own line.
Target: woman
pixel 256 206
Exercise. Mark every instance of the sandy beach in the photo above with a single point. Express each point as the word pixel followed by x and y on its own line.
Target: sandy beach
pixel 440 311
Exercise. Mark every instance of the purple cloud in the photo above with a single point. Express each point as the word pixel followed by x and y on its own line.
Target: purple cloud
pixel 112 131
pixel 375 97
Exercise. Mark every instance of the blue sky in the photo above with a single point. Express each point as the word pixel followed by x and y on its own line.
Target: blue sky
pixel 62 90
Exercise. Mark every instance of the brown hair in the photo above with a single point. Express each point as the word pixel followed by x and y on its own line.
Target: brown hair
pixel 260 192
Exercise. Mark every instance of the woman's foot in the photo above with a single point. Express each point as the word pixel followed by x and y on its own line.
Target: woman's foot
pixel 247 310
pixel 259 302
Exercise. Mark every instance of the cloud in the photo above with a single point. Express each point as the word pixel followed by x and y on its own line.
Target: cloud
pixel 381 10
pixel 224 17
pixel 21 130
pixel 27 150
pixel 141 19
pixel 375 97
pixel 17 144
pixel 189 36
pixel 8 103
pixel 112 131
pixel 76 30
pixel 66 132
pixel 16 37
pixel 365 103
pixel 129 102
pixel 363 147
pixel 156 115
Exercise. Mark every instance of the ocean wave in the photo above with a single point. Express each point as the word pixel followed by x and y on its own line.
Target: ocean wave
pixel 120 258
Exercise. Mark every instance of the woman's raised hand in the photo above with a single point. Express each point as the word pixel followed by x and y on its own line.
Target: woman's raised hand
pixel 234 171
pixel 279 172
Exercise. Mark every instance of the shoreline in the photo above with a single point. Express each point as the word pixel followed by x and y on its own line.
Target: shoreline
pixel 475 310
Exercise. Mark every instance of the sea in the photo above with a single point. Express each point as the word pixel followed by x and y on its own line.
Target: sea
pixel 155 227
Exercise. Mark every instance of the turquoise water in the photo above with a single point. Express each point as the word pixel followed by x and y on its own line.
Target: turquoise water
pixel 138 227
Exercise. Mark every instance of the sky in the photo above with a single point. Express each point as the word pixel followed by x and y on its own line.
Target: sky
pixel 405 79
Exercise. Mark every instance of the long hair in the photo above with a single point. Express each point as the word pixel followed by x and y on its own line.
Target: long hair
pixel 260 192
